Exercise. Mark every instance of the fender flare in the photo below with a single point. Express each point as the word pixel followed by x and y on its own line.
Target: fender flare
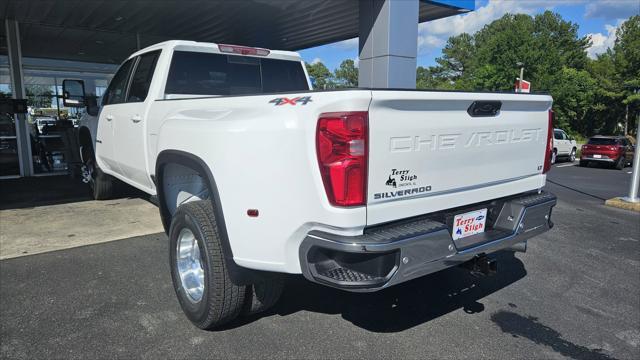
pixel 239 275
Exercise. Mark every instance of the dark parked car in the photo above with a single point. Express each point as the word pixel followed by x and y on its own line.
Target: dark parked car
pixel 614 150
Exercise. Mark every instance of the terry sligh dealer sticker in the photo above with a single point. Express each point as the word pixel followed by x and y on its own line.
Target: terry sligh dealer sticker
pixel 468 224
pixel 405 181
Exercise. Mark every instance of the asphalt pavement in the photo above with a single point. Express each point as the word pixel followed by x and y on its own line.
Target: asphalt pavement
pixel 574 294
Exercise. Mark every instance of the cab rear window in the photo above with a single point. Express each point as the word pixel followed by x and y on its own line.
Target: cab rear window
pixel 198 73
pixel 602 141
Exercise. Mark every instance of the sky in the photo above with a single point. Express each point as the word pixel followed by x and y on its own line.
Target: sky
pixel 596 18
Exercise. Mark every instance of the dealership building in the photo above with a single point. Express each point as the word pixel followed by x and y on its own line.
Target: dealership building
pixel 44 42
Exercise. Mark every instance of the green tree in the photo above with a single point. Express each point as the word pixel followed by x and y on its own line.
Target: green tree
pixel 555 61
pixel 574 93
pixel 487 59
pixel 606 109
pixel 456 57
pixel 432 78
pixel 347 74
pixel 627 64
pixel 322 76
pixel 545 44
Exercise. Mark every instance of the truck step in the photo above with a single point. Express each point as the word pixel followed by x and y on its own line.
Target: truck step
pixel 348 275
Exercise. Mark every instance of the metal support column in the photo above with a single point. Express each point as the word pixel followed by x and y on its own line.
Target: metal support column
pixel 388 43
pixel 18 90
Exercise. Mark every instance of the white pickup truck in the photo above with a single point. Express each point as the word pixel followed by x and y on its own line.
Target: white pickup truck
pixel 256 175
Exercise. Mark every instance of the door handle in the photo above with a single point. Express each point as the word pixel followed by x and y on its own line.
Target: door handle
pixel 136 118
pixel 109 117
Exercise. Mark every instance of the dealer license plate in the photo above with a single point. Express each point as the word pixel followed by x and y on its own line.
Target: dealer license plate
pixel 468 224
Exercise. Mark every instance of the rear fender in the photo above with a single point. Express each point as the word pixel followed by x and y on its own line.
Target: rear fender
pixel 238 274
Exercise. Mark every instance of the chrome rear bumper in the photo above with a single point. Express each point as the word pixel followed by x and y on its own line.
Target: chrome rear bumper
pixel 391 254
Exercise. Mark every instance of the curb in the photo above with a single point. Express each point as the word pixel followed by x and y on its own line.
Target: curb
pixel 619 203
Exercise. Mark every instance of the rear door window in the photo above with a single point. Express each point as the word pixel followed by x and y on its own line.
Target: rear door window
pixel 141 79
pixel 117 89
pixel 198 73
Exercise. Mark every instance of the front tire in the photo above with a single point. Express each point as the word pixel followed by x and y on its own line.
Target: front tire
pixel 200 277
pixel 103 186
pixel 554 156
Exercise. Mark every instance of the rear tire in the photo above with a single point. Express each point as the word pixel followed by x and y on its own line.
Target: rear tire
pixel 263 295
pixel 219 300
pixel 554 156
pixel 620 163
pixel 572 156
pixel 583 163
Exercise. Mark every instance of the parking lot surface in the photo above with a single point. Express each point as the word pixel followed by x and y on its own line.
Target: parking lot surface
pixel 574 294
pixel 60 214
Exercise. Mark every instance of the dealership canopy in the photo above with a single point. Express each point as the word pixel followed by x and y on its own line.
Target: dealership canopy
pixel 108 31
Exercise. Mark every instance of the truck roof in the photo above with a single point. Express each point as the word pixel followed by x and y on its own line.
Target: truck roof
pixel 188 45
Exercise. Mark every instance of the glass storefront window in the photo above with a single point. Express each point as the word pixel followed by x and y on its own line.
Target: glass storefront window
pixel 9 161
pixel 50 123
pixel 47 125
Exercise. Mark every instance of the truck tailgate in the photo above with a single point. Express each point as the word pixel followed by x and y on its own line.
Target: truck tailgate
pixel 428 153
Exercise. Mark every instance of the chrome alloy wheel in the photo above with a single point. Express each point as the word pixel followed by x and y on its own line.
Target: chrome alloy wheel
pixel 189 265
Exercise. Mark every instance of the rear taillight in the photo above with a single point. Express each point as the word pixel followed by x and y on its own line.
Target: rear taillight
pixel 549 147
pixel 342 147
pixel 242 50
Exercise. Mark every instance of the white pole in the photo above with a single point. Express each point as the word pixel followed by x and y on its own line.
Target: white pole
pixel 635 177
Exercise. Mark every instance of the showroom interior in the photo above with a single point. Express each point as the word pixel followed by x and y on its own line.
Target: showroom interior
pixel 43 43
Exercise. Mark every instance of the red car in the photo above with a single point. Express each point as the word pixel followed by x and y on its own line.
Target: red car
pixel 614 150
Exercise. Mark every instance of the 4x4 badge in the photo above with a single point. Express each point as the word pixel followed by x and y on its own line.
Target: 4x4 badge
pixel 298 100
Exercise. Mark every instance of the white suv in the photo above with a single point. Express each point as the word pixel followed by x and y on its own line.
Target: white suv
pixel 563 146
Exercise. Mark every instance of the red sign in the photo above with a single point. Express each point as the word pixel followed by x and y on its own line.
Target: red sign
pixel 526 86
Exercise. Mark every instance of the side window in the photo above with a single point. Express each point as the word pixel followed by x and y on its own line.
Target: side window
pixel 118 87
pixel 565 136
pixel 141 79
pixel 557 135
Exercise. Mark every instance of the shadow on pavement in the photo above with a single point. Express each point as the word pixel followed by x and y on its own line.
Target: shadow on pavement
pixel 529 327
pixel 50 190
pixel 403 306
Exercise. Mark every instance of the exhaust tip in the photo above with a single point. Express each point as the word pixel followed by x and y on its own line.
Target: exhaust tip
pixel 519 247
